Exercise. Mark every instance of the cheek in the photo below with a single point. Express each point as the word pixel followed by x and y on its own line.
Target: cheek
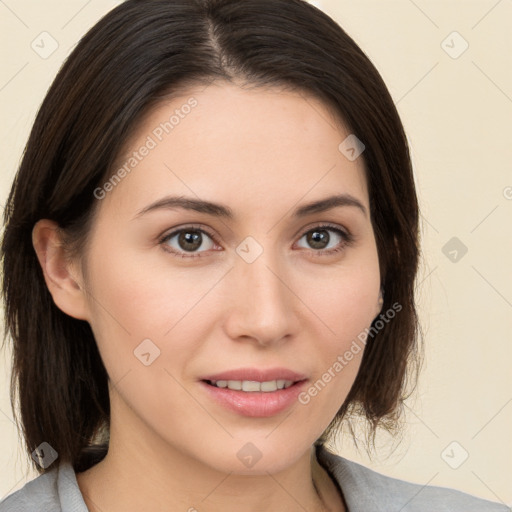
pixel 147 327
pixel 344 306
pixel 345 299
pixel 134 299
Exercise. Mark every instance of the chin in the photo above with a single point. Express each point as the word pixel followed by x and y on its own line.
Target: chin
pixel 256 455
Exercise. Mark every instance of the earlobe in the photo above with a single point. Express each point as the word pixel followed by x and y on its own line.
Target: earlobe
pixel 60 274
pixel 380 303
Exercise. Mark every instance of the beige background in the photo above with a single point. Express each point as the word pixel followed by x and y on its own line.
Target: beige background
pixel 457 113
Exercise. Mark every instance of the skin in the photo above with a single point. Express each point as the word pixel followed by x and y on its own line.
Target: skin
pixel 263 153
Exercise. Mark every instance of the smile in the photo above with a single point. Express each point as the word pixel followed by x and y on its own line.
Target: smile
pixel 252 386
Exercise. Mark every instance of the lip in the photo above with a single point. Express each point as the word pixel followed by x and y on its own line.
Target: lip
pixel 258 404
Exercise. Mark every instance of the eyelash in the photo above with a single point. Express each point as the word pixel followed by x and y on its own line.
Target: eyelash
pixel 347 237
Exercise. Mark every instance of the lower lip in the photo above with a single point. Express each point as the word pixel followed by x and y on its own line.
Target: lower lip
pixel 256 404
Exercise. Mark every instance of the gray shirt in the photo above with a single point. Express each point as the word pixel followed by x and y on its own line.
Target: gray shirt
pixel 364 490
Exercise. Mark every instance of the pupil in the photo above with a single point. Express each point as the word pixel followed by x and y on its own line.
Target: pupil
pixel 318 238
pixel 190 240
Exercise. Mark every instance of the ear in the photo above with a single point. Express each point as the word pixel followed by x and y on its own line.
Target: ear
pixel 61 275
pixel 380 303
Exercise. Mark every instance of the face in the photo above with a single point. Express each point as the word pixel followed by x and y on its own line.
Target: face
pixel 187 299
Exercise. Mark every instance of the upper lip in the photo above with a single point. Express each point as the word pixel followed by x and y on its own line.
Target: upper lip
pixel 257 374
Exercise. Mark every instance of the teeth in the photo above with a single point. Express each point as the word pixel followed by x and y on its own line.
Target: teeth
pixel 252 386
pixel 235 384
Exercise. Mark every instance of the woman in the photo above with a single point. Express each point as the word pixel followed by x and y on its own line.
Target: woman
pixel 217 216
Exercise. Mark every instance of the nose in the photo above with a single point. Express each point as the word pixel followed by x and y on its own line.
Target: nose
pixel 262 306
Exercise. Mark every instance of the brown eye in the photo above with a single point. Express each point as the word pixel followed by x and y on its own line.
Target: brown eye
pixel 190 240
pixel 318 239
pixel 187 240
pixel 326 239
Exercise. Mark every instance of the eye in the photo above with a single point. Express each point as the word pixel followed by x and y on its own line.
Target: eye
pixel 185 242
pixel 320 239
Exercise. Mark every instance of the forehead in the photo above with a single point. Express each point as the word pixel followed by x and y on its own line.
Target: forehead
pixel 248 147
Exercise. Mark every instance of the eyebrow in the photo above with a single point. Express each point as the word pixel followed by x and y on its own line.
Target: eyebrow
pixel 222 211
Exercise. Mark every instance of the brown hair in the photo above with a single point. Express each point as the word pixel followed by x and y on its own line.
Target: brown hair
pixel 136 54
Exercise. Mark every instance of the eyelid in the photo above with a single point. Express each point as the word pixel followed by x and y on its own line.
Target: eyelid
pixel 324 225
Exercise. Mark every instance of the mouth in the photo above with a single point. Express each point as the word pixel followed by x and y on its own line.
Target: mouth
pixel 254 393
pixel 252 386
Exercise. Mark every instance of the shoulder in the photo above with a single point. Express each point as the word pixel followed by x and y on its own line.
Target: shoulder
pixel 54 491
pixel 365 489
pixel 40 493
